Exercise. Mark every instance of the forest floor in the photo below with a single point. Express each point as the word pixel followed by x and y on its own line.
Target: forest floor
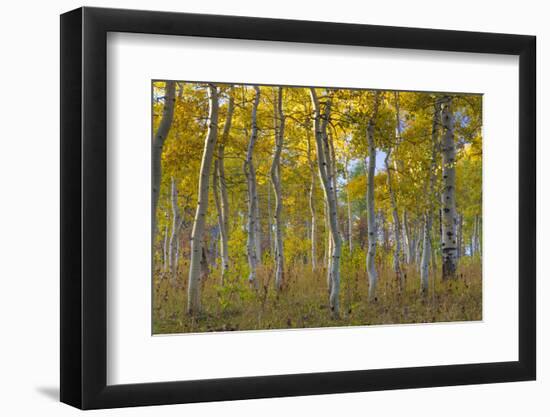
pixel 304 302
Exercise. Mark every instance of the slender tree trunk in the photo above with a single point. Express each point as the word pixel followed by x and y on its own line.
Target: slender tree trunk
pixel 193 298
pixel 250 174
pixel 217 202
pixel 177 257
pixel 350 220
pixel 331 170
pixel 475 237
pixel 329 251
pixel 220 189
pixel 270 240
pixel 325 169
pixel 257 223
pixel 427 244
pixel 409 246
pixel 448 196
pixel 426 254
pixel 371 220
pixel 165 250
pixel 479 235
pixel 434 257
pixel 328 241
pixel 332 165
pixel 172 251
pixel 396 225
pixel 158 143
pixel 312 208
pixel 459 237
pixel 416 240
pixel 418 249
pixel 276 182
pixel 381 225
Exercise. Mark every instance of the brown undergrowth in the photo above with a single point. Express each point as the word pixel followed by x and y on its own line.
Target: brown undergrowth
pixel 304 301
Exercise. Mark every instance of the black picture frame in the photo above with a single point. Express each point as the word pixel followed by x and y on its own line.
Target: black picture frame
pixel 84 207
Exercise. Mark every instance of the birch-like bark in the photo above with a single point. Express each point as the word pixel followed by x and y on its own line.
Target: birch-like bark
pixel 323 159
pixel 371 219
pixel 250 174
pixel 448 195
pixel 330 160
pixel 172 250
pixel 396 225
pixel 428 219
pixel 276 183
pixel 330 249
pixel 328 240
pixel 158 143
pixel 258 225
pixel 165 250
pixel 312 208
pixel 270 241
pixel 193 291
pixel 350 220
pixel 218 204
pixel 220 188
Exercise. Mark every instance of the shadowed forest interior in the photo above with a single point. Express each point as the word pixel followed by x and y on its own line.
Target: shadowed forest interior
pixel 292 207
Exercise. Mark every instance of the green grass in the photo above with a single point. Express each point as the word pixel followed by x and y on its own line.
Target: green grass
pixel 304 302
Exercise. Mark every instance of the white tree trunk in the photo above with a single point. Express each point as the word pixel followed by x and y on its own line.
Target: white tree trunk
pixel 330 159
pixel 371 219
pixel 165 250
pixel 328 240
pixel 172 250
pixel 257 224
pixel 448 196
pixel 158 143
pixel 220 189
pixel 276 182
pixel 396 226
pixel 250 174
pixel 193 291
pixel 350 220
pixel 270 241
pixel 312 208
pixel 325 169
pixel 217 202
pixel 428 217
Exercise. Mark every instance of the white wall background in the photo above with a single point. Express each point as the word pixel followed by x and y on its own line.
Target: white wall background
pixel 29 225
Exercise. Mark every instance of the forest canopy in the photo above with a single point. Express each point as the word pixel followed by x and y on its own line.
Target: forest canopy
pixel 283 207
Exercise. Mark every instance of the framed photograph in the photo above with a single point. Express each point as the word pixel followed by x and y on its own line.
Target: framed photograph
pixel 257 208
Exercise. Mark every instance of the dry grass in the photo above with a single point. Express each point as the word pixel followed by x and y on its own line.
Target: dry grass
pixel 304 302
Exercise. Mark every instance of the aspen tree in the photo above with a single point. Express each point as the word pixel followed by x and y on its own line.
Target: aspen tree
pixel 197 234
